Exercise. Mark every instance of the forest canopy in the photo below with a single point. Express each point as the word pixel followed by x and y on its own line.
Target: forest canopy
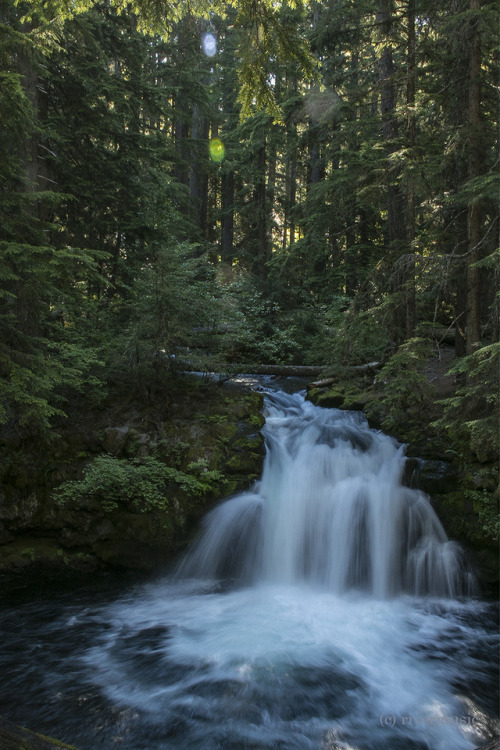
pixel 215 185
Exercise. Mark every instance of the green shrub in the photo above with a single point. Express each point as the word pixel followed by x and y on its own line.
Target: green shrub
pixel 144 482
pixel 471 416
pixel 486 506
pixel 407 393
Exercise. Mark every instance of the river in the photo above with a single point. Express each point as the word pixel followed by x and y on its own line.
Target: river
pixel 324 609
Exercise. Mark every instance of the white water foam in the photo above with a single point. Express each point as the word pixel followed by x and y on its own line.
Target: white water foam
pixel 309 614
pixel 331 510
pixel 276 666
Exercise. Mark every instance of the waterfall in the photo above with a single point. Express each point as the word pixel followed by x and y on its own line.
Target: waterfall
pixel 330 510
pixel 284 626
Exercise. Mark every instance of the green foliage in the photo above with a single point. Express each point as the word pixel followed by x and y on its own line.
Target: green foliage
pixel 272 34
pixel 259 327
pixel 486 506
pixel 206 478
pixel 42 356
pixel 407 393
pixel 146 483
pixel 356 336
pixel 173 307
pixel 472 415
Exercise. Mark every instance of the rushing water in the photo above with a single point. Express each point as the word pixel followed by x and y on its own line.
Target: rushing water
pixel 325 609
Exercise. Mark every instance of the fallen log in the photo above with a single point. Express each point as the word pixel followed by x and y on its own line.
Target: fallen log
pixel 369 367
pixel 297 371
pixel 321 383
pixel 305 371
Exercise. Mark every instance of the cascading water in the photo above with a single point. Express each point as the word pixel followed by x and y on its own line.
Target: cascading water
pixel 330 510
pixel 316 612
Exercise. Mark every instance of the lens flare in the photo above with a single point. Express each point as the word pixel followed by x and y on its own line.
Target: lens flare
pixel 217 150
pixel 209 44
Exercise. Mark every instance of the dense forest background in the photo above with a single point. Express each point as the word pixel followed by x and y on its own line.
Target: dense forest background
pixel 212 187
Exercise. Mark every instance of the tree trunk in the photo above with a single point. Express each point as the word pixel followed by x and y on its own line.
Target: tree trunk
pixel 260 225
pixel 227 239
pixel 474 210
pixel 410 189
pixel 270 192
pixel 198 176
pixel 181 149
pixel 461 286
pixel 396 230
pixel 290 177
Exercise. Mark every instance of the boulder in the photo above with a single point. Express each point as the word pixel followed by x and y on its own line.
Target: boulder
pixel 431 476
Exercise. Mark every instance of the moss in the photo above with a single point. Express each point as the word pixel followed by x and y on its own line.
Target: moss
pixel 231 487
pixel 333 399
pixel 350 397
pixel 226 431
pixel 244 407
pixel 243 463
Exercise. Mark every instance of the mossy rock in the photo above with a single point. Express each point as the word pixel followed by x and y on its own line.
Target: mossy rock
pixel 456 512
pixel 33 552
pixel 226 431
pixel 242 408
pixel 435 477
pixel 244 463
pixel 330 400
pixel 130 554
pixel 348 397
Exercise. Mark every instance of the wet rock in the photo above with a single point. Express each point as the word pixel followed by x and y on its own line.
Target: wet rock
pixel 22 510
pixel 5 536
pixel 115 439
pixel 105 529
pixel 431 476
pixel 328 399
pixel 128 554
pixel 495 745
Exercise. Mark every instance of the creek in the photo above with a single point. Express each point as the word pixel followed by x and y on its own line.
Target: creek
pixel 324 609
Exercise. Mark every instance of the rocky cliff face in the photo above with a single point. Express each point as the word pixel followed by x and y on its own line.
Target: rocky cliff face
pixel 123 485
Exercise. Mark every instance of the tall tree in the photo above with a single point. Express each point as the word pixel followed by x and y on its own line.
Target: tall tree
pixel 395 236
pixel 475 166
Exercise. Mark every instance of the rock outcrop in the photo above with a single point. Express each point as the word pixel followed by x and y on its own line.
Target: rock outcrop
pixel 207 435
